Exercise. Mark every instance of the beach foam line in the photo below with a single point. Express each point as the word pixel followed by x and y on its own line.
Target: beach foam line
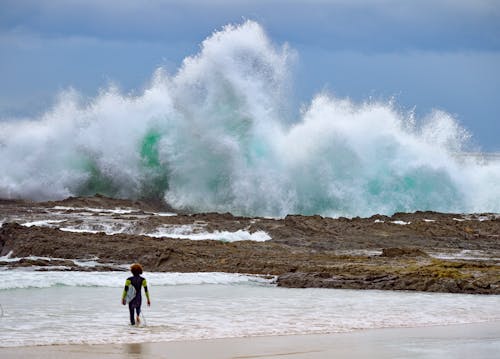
pixel 22 278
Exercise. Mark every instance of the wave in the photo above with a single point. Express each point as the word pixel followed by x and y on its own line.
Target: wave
pixel 217 136
pixel 17 279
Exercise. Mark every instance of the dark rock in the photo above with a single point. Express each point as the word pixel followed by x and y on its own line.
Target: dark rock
pixel 305 251
pixel 403 252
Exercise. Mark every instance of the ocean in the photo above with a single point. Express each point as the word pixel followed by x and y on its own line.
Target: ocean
pixel 54 307
pixel 222 135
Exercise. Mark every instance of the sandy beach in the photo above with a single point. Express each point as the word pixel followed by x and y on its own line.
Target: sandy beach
pixel 454 341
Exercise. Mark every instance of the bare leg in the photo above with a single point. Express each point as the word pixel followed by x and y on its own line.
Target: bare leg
pixel 138 319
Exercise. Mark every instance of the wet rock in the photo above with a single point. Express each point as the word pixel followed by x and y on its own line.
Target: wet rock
pixel 403 252
pixel 100 201
pixel 322 280
pixel 305 251
pixel 384 282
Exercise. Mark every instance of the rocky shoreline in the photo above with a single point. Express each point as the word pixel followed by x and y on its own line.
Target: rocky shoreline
pixel 423 251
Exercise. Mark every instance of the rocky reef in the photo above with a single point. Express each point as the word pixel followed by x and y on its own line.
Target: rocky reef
pixel 424 251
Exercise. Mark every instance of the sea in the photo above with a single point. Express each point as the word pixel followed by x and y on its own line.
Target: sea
pixel 57 307
pixel 220 135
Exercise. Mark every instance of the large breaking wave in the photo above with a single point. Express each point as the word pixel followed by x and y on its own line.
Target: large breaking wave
pixel 216 136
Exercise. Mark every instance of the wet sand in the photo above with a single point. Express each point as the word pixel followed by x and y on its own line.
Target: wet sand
pixel 454 341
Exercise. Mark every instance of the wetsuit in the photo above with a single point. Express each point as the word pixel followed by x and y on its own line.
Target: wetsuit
pixel 137 282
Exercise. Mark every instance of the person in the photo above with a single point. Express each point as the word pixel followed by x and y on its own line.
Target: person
pixel 137 282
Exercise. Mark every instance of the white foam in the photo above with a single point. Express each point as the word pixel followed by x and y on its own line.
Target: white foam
pixel 429 220
pixel 477 255
pixel 43 223
pixel 225 142
pixel 88 263
pixel 96 210
pixel 401 223
pixel 42 316
pixel 80 222
pixel 93 226
pixel 79 230
pixel 165 214
pixel 7 257
pixel 196 231
pixel 187 232
pixel 22 278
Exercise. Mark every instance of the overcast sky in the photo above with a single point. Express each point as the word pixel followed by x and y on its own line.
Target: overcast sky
pixel 442 54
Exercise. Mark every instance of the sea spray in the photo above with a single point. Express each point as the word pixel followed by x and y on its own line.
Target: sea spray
pixel 216 136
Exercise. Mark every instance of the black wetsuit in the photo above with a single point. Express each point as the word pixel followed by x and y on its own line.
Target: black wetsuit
pixel 135 304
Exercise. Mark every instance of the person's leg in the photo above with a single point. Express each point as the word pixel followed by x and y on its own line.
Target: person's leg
pixel 131 310
pixel 138 319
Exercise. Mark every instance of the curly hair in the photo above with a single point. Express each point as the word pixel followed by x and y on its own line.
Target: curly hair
pixel 136 269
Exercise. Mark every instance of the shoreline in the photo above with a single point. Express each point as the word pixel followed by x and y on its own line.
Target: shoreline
pixel 480 340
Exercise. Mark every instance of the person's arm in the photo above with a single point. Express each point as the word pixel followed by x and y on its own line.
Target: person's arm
pixel 145 285
pixel 125 290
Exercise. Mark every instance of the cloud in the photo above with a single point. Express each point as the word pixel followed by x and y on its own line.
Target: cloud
pixel 385 25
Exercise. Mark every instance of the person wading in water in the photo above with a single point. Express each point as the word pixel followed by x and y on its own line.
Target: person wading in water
pixel 132 292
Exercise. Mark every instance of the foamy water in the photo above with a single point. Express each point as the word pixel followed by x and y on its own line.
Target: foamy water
pixel 217 135
pixel 127 221
pixel 85 308
pixel 23 279
pixel 189 232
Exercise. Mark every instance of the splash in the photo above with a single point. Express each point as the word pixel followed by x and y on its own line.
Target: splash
pixel 216 136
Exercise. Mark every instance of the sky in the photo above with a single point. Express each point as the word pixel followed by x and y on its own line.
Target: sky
pixel 427 54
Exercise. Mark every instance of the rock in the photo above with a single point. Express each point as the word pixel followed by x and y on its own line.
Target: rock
pixel 325 280
pixel 403 252
pixel 305 251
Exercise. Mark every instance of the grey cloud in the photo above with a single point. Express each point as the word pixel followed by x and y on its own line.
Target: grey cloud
pixel 386 25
